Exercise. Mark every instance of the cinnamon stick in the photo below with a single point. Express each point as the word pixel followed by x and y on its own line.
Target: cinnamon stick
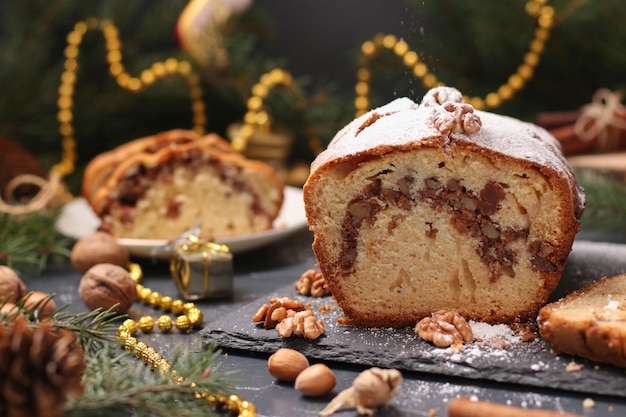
pixel 464 407
pixel 552 120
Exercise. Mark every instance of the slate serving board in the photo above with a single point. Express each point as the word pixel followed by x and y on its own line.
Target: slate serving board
pixel 527 363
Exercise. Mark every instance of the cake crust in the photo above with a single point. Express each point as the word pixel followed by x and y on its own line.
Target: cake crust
pixel 413 213
pixel 590 322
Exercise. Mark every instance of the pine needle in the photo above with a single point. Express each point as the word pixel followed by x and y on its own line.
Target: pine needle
pixel 606 203
pixel 28 242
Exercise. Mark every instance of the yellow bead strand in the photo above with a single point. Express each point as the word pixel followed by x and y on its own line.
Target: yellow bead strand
pixel 257 116
pixel 148 77
pixel 370 49
pixel 190 317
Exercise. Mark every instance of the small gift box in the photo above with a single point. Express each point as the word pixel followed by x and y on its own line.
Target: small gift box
pixel 201 269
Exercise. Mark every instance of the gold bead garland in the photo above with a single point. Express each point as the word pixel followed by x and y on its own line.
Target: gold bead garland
pixel 148 77
pixel 369 49
pixel 189 317
pixel 257 117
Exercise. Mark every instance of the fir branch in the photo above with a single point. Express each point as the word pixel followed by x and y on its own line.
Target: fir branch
pixel 606 202
pixel 119 384
pixel 94 328
pixel 28 242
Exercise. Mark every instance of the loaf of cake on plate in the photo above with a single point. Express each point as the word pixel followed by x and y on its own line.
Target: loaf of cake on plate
pixel 590 322
pixel 415 209
pixel 164 185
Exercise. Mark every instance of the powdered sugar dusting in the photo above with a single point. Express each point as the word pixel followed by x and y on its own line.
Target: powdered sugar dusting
pixel 488 332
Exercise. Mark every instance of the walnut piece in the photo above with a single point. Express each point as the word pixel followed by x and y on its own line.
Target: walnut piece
pixel 290 318
pixel 277 310
pixel 303 324
pixel 456 117
pixel 451 113
pixel 445 328
pixel 312 283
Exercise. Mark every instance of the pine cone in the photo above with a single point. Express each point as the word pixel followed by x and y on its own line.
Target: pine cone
pixel 39 367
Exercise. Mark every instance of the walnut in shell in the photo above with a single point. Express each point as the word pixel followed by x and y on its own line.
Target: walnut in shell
pixel 11 285
pixel 98 248
pixel 105 285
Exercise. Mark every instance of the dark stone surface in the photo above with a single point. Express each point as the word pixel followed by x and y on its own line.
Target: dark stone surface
pixel 274 268
pixel 528 363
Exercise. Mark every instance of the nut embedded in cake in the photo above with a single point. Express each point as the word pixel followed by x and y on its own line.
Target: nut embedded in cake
pixel 416 209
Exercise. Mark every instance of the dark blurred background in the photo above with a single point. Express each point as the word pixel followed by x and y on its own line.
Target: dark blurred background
pixel 469 44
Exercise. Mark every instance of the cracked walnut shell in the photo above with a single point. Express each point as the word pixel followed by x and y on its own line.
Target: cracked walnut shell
pixel 444 328
pixel 371 389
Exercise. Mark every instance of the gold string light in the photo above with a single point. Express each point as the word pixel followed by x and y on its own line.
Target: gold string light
pixel 257 116
pixel 188 317
pixel 148 77
pixel 525 71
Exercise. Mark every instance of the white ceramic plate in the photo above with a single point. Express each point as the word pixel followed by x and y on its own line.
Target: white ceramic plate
pixel 78 220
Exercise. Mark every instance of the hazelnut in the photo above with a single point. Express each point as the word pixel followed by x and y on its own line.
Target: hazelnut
pixel 105 285
pixel 40 303
pixel 11 285
pixel 316 380
pixel 98 248
pixel 9 309
pixel 286 364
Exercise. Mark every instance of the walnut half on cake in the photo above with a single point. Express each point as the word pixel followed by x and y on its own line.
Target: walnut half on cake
pixel 416 209
pixel 164 185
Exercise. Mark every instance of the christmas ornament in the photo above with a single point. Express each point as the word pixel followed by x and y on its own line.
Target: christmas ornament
pixel 200 29
pixel 370 49
pixel 51 365
pixel 598 127
pixel 200 268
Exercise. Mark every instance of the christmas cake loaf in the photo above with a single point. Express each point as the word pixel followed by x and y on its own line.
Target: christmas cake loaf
pixel 162 186
pixel 590 322
pixel 420 208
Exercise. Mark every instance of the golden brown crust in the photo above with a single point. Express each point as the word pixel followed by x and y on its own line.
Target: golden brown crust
pixel 149 151
pixel 100 168
pixel 590 322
